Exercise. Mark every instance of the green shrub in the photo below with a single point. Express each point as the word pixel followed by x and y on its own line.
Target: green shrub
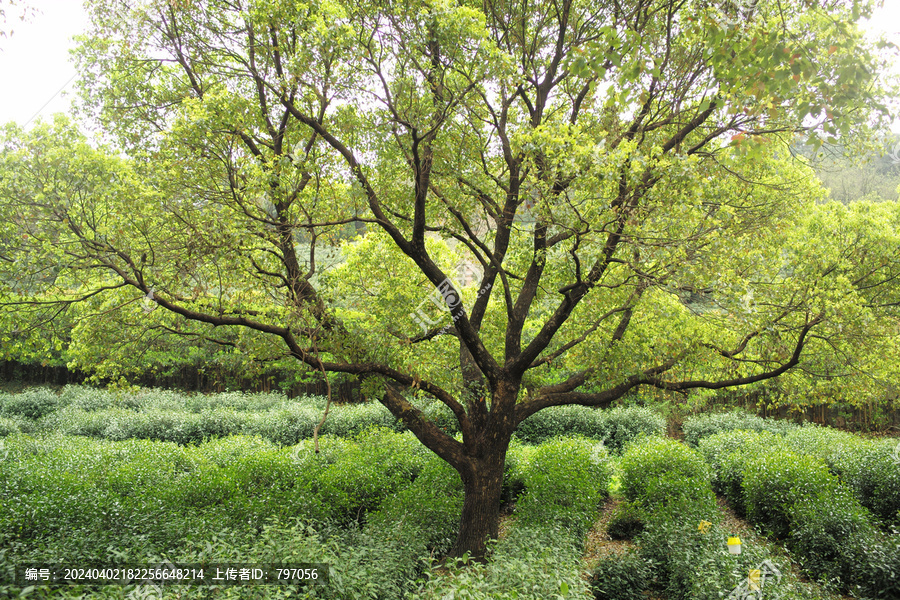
pixel 775 481
pixel 876 571
pixel 222 422
pixel 285 426
pixel 872 471
pixel 517 457
pixel 243 402
pixel 727 453
pixel 826 531
pixel 90 399
pixel 565 479
pixel 690 564
pixel 377 464
pixel 561 420
pixel 30 404
pixel 363 563
pixel 830 445
pixel 531 563
pixel 8 426
pixel 701 426
pixel 71 420
pixel 650 465
pixel 352 419
pixel 429 509
pixel 615 427
pixel 441 415
pixel 624 424
pixel 621 577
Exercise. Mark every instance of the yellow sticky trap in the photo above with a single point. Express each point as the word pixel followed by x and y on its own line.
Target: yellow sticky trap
pixel 754 579
pixel 704 526
pixel 734 545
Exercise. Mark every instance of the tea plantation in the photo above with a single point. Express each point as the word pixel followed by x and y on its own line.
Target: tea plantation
pixel 91 477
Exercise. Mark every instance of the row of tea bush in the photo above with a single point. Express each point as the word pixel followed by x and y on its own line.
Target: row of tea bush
pixel 74 500
pixel 793 496
pixel 869 467
pixel 378 507
pixel 186 419
pixel 670 511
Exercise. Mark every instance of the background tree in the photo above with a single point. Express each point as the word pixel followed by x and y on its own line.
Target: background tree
pixel 617 175
pixel 11 10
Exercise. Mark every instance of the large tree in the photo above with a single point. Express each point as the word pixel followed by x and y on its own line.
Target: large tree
pixel 615 176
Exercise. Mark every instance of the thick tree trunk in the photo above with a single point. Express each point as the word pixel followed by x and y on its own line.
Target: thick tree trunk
pixel 483 486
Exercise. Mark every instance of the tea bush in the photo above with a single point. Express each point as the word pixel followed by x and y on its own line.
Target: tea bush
pixel 727 453
pixel 286 425
pixel 625 424
pixel 670 492
pixel 350 420
pixel 775 481
pixel 154 489
pixel 30 404
pixel 650 465
pixel 625 522
pixel 615 427
pixel 623 576
pixel 378 464
pixel 830 445
pixel 428 510
pixel 690 564
pixel 561 420
pixel 825 531
pixel 872 471
pixel 8 426
pixel 796 497
pixel 565 479
pixel 698 427
pixel 441 415
pixel 531 563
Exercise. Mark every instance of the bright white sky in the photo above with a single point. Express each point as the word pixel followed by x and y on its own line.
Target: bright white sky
pixel 34 61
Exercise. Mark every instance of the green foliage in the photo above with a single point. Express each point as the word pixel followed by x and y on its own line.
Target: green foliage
pixel 795 496
pixel 79 484
pixel 615 427
pixel 428 510
pixel 671 500
pixel 531 563
pixel 700 426
pixel 774 481
pixel 30 404
pixel 186 419
pixel 872 471
pixel 565 479
pixel 667 488
pixel 624 424
pixel 828 533
pixel 728 452
pixel 653 468
pixel 377 464
pixel 562 420
pixel 8 426
pixel 830 445
pixel 621 577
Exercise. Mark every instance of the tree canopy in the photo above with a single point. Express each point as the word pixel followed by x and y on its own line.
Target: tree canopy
pixel 563 202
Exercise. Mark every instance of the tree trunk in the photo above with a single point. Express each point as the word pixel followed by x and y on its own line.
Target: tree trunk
pixel 483 485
